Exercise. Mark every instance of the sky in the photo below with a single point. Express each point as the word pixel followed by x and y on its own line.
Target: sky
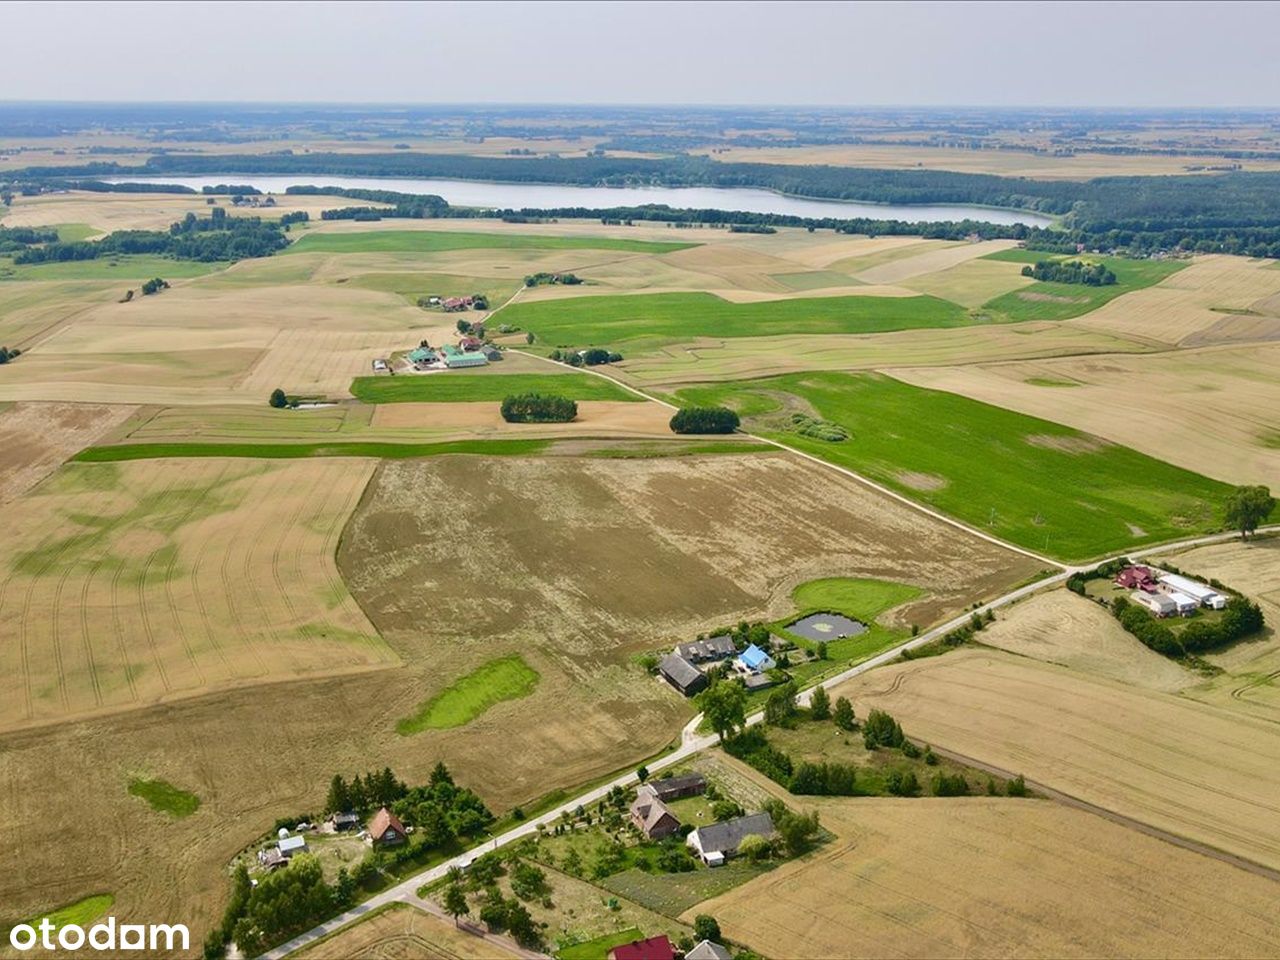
pixel 1192 54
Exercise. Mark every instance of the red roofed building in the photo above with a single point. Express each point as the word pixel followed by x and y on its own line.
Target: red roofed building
pixel 655 948
pixel 1136 578
pixel 386 830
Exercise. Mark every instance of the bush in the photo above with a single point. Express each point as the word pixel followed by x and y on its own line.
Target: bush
pixel 706 928
pixel 820 703
pixel 1017 787
pixel 278 399
pixel 843 716
pixel 154 285
pixel 705 420
pixel 881 730
pixel 538 408
pixel 950 785
pixel 806 426
pixel 754 847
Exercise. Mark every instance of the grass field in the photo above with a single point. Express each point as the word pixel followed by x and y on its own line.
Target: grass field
pixel 1061 301
pixel 508 678
pixel 998 470
pixel 985 877
pixel 164 796
pixel 667 317
pixel 431 241
pixel 460 386
pixel 81 913
pixel 124 584
pixel 301 451
pixel 861 600
pixel 1196 770
pixel 131 271
pixel 674 893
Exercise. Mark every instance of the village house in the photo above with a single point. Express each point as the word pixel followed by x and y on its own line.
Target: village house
pixel 1136 578
pixel 470 343
pixel 706 651
pixel 753 660
pixel 651 816
pixel 655 948
pixel 717 842
pixel 681 674
pixel 386 830
pixel 667 789
pixel 709 950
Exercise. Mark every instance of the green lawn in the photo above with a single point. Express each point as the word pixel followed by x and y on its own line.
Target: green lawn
pixel 436 241
pixel 671 894
pixel 1032 482
pixel 72 232
pixel 459 386
pixel 508 678
pixel 130 271
pixel 656 318
pixel 599 948
pixel 293 451
pixel 861 600
pixel 1061 301
pixel 165 797
pixel 82 913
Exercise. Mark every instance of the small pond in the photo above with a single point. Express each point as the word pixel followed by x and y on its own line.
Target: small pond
pixel 826 626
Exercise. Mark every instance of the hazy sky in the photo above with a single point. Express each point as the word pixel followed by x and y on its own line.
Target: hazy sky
pixel 1025 53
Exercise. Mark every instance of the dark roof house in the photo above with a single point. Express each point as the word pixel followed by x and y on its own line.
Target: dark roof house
pixel 651 816
pixel 674 788
pixel 681 674
pixel 701 651
pixel 345 821
pixel 717 841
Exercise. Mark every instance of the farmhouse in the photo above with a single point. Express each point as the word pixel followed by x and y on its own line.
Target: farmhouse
pixel 704 651
pixel 1204 595
pixel 288 846
pixel 655 948
pixel 709 950
pixel 719 841
pixel 753 660
pixel 1158 603
pixel 454 358
pixel 386 830
pixel 651 816
pixel 681 674
pixel 1136 578
pixel 470 344
pixel 676 788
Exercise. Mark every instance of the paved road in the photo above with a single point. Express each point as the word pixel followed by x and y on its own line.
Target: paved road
pixel 692 741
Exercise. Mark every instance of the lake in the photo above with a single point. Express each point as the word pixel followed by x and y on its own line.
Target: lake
pixel 484 193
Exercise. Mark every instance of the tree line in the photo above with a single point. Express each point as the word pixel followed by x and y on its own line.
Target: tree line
pixel 1071 271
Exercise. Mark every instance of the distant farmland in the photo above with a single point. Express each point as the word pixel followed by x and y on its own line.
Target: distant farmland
pixel 463 386
pixel 433 241
pixel 1036 483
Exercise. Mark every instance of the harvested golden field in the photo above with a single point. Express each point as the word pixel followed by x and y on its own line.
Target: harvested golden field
pixel 971 283
pixel 1192 769
pixel 135 583
pixel 986 877
pixel 1187 306
pixel 1210 410
pixel 1251 681
pixel 403 932
pixel 36 437
pixel 930 261
pixel 736 358
pixel 30 310
pixel 483 419
pixel 1060 627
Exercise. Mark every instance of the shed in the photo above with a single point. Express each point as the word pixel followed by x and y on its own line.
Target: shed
pixel 453 358
pixel 1186 605
pixel 288 846
pixel 675 788
pixel 681 674
pixel 422 355
pixel 1157 603
pixel 345 821
pixel 1202 593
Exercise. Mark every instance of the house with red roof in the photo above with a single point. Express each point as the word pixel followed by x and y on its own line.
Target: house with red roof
pixel 655 948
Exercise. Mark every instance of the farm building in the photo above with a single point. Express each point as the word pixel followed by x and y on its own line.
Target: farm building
pixel 379 366
pixel 288 846
pixel 454 358
pixel 681 674
pixel 704 651
pixel 1136 578
pixel 719 841
pixel 753 660
pixel 470 344
pixel 1204 595
pixel 676 788
pixel 709 950
pixel 651 816
pixel 757 681
pixel 386 830
pixel 271 859
pixel 491 352
pixel 345 821
pixel 655 948
pixel 1186 605
pixel 422 355
pixel 1157 603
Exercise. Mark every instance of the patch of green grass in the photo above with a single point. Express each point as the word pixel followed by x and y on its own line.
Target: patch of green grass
pixel 508 678
pixel 436 241
pixel 131 271
pixel 598 949
pixel 74 232
pixel 82 913
pixel 1029 481
pixel 858 599
pixel 1061 301
pixel 293 451
pixel 671 894
pixel 655 318
pixel 165 797
pixel 460 386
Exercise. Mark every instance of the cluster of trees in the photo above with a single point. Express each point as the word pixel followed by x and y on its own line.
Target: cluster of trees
pixel 207 239
pixel 363 794
pixel 704 420
pixel 1071 271
pixel 593 357
pixel 500 914
pixel 14 239
pixel 1240 618
pixel 542 278
pixel 538 408
pixel 6 354
pixel 441 810
pixel 278 399
pixel 231 189
pixel 154 285
pixel 281 905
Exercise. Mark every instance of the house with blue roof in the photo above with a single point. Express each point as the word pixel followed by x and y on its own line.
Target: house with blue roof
pixel 753 660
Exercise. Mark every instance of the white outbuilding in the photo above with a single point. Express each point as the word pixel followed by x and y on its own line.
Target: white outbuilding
pixel 1158 603
pixel 1203 594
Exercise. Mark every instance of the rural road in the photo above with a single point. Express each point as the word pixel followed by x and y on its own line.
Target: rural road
pixel 692 742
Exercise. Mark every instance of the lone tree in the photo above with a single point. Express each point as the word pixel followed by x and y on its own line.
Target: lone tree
pixel 455 902
pixel 820 704
pixel 705 927
pixel 1248 507
pixel 725 705
pixel 843 717
pixel 278 399
pixel 642 774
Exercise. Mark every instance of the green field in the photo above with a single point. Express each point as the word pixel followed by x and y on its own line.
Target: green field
pixel 1029 481
pixel 165 797
pixel 509 678
pixel 460 386
pixel 294 451
pixel 671 894
pixel 1065 300
pixel 656 318
pixel 131 271
pixel 599 948
pixel 861 600
pixel 73 232
pixel 82 913
pixel 436 241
